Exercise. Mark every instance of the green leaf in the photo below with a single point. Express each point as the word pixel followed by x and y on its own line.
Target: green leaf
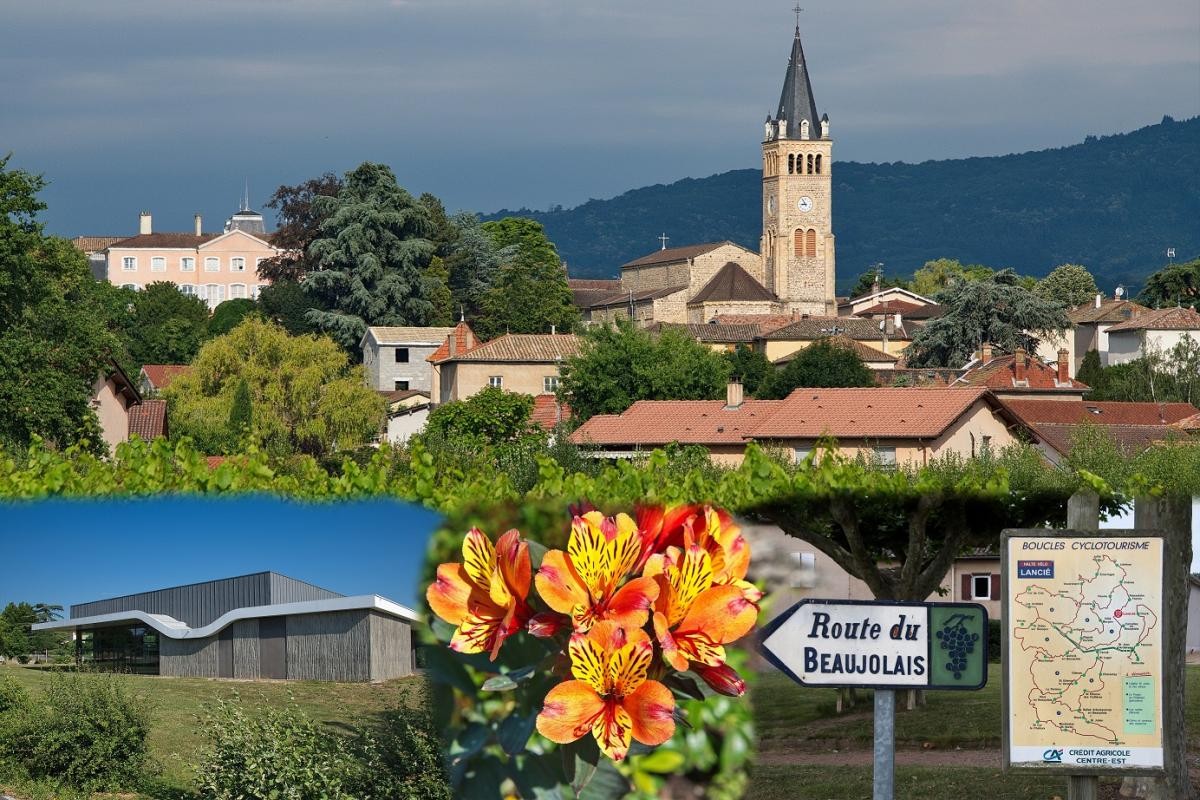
pixel 662 761
pixel 606 783
pixel 685 685
pixel 580 759
pixel 514 732
pixel 499 683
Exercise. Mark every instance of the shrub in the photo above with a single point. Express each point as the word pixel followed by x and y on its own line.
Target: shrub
pixel 13 696
pixel 401 759
pixel 280 753
pixel 995 640
pixel 88 732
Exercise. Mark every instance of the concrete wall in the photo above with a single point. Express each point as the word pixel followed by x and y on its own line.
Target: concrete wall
pixel 383 370
pixel 1048 350
pixel 246 650
pixel 391 648
pixel 112 412
pixel 188 658
pixel 402 426
pixel 775 349
pixel 332 646
pixel 461 379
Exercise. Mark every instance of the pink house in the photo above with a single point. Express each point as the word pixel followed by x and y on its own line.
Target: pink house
pixel 213 266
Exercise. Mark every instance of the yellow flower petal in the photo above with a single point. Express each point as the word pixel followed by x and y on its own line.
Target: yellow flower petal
pixel 613 730
pixel 569 711
pixel 479 558
pixel 588 661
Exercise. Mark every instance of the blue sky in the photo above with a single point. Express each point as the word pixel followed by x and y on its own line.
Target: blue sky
pixel 73 551
pixel 169 106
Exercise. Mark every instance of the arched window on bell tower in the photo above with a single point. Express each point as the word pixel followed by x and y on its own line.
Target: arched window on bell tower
pixel 810 243
pixel 799 248
pixel 791 163
pixel 818 164
pixel 810 164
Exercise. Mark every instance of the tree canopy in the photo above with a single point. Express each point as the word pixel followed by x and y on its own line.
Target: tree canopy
pixel 286 303
pixel 622 364
pixel 824 363
pixel 1176 284
pixel 370 254
pixel 55 338
pixel 229 314
pixel 305 395
pixel 997 309
pixel 491 416
pixel 300 219
pixel 529 293
pixel 167 326
pixel 1069 284
pixel 750 366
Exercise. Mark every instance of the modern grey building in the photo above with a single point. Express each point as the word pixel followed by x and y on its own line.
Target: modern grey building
pixel 394 358
pixel 263 625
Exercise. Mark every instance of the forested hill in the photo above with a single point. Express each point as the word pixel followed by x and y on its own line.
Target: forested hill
pixel 1112 203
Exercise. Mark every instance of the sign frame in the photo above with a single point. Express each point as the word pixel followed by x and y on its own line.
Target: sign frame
pixel 1065 768
pixel 770 628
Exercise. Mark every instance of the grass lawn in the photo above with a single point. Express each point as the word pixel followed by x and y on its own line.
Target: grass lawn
pixel 789 717
pixel 176 704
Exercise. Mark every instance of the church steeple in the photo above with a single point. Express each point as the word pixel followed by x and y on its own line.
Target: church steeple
pixel 796 103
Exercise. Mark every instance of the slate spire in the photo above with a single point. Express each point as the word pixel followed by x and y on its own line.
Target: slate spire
pixel 796 103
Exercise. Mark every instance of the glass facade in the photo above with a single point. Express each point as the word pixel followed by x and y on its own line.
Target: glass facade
pixel 121 648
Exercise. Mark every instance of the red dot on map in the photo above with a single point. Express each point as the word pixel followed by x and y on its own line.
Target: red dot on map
pixel 1118 613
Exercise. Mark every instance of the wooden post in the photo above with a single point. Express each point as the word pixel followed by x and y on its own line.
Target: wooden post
pixel 1083 514
pixel 1173 516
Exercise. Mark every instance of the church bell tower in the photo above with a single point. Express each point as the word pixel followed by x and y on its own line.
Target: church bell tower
pixel 797 240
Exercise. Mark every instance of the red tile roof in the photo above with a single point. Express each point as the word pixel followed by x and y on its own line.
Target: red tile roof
pixel 548 412
pixel 540 347
pixel 879 413
pixel 148 419
pixel 1132 426
pixel 464 340
pixel 867 354
pixel 1164 319
pixel 765 322
pixel 710 331
pixel 95 244
pixel 659 422
pixel 167 240
pixel 1000 374
pixel 903 308
pixel 161 375
pixel 1109 311
pixel 675 254
pixel 808 328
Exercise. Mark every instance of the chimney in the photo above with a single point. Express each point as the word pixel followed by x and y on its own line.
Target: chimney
pixel 199 225
pixel 1064 373
pixel 889 325
pixel 144 224
pixel 1019 364
pixel 985 354
pixel 1099 298
pixel 551 328
pixel 733 394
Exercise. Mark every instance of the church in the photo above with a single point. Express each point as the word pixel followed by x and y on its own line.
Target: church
pixel 793 272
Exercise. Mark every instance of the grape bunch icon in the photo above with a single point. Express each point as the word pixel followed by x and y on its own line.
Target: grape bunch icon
pixel 958 643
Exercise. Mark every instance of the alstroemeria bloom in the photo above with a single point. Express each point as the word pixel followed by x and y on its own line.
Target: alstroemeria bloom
pixel 585 581
pixel 484 597
pixel 610 696
pixel 712 529
pixel 694 617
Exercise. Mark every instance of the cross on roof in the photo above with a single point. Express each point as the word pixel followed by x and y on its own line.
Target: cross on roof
pixel 664 239
pixel 797 9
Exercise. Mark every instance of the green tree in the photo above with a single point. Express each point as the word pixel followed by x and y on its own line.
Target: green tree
pixel 867 281
pixel 241 413
pixel 824 363
pixel 300 217
pixel 528 294
pixel 1090 371
pixel 15 634
pixel 490 416
pixel 168 325
pixel 306 396
pixel 750 366
pixel 473 264
pixel 1176 284
pixel 1069 284
pixel 286 303
pixel 229 315
pixel 371 252
pixel 55 334
pixel 444 232
pixel 997 310
pixel 940 273
pixel 437 289
pixel 621 364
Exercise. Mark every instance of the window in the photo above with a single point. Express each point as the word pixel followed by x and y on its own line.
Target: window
pixel 496 381
pixel 801 453
pixel 550 384
pixel 256 290
pixel 799 243
pixel 237 264
pixel 401 386
pixel 187 289
pixel 187 264
pixel 129 263
pixel 216 294
pixel 810 243
pixel 818 164
pixel 804 574
pixel 258 263
pixel 791 163
pixel 981 587
pixel 212 264
pixel 886 456
pixel 810 163
pixel 237 291
pixel 158 264
pixel 401 355
pixel 129 286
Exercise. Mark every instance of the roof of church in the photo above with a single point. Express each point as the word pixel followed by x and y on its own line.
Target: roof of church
pixel 597 299
pixel 732 283
pixel 669 254
pixel 796 102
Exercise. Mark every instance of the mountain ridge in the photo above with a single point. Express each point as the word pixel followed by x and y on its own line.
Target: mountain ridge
pixel 1113 203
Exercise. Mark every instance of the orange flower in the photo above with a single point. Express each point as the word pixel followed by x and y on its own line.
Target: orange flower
pixel 484 597
pixel 585 581
pixel 694 617
pixel 712 529
pixel 610 695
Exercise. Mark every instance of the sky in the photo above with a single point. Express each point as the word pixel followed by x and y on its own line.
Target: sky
pixel 173 106
pixel 73 551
